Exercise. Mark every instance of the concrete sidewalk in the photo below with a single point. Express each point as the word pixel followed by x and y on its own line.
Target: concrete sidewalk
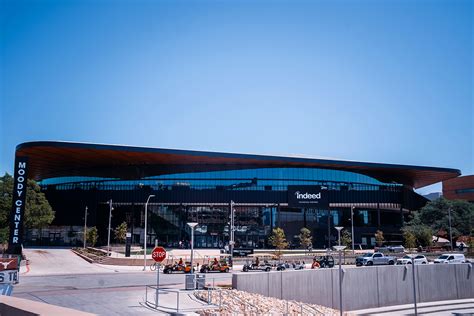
pixel 64 261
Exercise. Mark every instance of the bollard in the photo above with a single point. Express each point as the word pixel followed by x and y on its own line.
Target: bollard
pixel 177 302
pixel 220 298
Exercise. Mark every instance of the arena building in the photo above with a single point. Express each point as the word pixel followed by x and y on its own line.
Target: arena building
pixel 197 186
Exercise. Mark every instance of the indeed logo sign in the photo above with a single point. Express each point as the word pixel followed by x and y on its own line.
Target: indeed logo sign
pixel 308 196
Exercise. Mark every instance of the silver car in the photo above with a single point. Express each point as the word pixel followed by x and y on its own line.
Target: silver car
pixel 419 259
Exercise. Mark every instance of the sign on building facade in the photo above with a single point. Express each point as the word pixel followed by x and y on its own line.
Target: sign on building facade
pixel 308 196
pixel 18 205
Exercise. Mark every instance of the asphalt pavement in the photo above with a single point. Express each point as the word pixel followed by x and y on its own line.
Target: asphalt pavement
pixel 59 277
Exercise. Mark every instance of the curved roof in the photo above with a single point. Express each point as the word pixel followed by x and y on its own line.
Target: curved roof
pixel 50 159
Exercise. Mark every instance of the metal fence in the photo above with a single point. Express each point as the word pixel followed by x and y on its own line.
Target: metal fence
pixel 172 300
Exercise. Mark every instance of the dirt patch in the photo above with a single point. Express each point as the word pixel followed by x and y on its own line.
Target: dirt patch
pixel 41 252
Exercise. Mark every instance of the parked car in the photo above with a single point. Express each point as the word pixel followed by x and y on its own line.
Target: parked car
pixel 398 248
pixel 451 258
pixel 419 259
pixel 376 258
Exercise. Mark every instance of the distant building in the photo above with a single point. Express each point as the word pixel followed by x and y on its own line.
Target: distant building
pixel 460 188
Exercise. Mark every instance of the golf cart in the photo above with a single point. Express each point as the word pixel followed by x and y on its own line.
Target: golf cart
pixel 258 265
pixel 216 266
pixel 325 261
pixel 290 265
pixel 176 267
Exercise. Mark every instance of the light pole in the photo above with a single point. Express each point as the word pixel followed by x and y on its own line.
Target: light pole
pixel 414 284
pixel 192 225
pixel 85 227
pixel 339 228
pixel 352 227
pixel 340 249
pixel 231 233
pixel 450 230
pixel 145 233
pixel 110 219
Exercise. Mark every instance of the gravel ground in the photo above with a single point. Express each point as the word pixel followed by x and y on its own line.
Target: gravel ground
pixel 243 303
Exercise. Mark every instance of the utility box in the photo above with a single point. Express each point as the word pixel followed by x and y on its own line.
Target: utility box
pixel 200 281
pixel 128 244
pixel 190 281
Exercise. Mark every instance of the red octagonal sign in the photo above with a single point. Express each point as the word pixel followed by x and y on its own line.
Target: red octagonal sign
pixel 158 254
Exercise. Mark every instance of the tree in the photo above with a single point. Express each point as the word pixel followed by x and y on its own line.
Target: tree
pixel 121 232
pixel 346 238
pixel 305 238
pixel 278 240
pixel 92 236
pixel 38 212
pixel 6 189
pixel 435 215
pixel 423 234
pixel 379 239
pixel 410 239
pixel 434 218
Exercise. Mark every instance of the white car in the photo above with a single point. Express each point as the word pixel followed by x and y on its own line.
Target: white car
pixel 419 259
pixel 451 258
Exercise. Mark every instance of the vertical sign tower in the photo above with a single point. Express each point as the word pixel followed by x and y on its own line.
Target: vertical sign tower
pixel 18 205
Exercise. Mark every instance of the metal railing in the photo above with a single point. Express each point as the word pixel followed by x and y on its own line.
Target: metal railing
pixel 219 300
pixel 216 282
pixel 154 298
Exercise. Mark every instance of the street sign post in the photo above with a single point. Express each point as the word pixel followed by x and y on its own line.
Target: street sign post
pixel 158 254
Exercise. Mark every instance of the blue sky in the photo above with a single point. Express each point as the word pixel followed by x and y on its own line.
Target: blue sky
pixel 382 81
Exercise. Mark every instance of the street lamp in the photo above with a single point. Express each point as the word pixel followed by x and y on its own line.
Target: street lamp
pixel 192 225
pixel 352 227
pixel 144 236
pixel 340 249
pixel 450 230
pixel 85 227
pixel 339 228
pixel 110 219
pixel 231 233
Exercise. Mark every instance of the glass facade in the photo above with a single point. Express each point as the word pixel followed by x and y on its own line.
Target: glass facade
pixel 260 195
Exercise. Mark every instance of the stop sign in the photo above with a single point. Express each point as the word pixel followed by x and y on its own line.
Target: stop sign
pixel 158 254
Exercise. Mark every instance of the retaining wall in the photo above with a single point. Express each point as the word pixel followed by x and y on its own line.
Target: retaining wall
pixel 364 287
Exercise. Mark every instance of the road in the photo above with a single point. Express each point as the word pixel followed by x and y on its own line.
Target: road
pixel 59 277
